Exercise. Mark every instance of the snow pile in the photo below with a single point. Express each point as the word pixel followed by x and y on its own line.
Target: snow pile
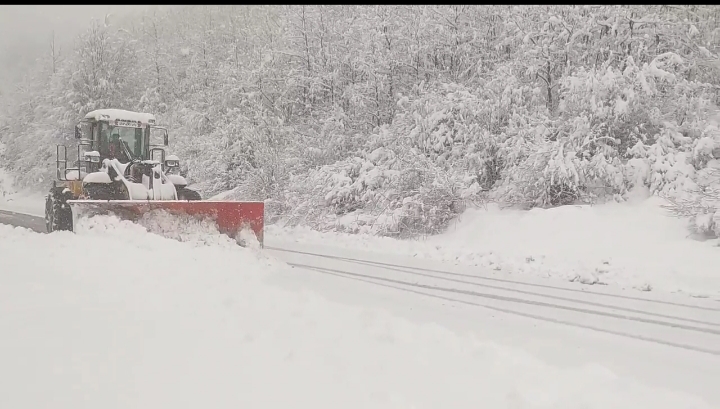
pixel 637 245
pixel 143 321
pixel 247 238
pixel 184 228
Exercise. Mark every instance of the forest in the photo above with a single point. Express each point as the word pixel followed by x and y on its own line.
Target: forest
pixel 393 119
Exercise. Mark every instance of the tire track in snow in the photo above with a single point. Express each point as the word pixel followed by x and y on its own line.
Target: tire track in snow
pixel 369 279
pixel 659 331
pixel 519 300
pixel 410 270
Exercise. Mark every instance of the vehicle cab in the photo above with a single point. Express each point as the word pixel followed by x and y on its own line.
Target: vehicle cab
pixel 122 135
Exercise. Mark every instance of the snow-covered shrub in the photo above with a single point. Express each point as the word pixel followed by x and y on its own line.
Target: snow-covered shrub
pixel 700 201
pixel 459 127
pixel 381 192
pixel 610 134
pixel 702 205
pixel 673 150
pixel 561 163
pixel 668 168
pixel 429 201
pixel 332 190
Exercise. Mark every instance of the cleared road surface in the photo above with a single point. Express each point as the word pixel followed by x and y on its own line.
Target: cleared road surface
pixel 33 223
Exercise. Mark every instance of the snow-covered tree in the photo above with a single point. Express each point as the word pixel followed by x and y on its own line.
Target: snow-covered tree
pixel 402 113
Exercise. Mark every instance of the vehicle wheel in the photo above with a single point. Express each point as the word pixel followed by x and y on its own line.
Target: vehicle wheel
pixel 58 215
pixel 188 194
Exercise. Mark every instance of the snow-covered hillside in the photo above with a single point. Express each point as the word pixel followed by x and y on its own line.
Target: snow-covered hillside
pixel 397 115
pixel 144 321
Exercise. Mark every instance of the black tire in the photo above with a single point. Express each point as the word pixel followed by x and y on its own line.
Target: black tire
pixel 187 194
pixel 58 215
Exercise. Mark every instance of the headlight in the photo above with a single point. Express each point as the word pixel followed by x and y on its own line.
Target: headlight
pixel 92 157
pixel 171 163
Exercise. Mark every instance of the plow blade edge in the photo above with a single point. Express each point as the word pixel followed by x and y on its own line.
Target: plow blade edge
pixel 229 217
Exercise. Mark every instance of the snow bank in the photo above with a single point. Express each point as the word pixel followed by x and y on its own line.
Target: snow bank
pixel 116 317
pixel 183 228
pixel 636 245
pixel 198 232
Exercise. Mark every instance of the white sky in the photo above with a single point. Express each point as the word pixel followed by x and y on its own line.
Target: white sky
pixel 34 22
pixel 26 31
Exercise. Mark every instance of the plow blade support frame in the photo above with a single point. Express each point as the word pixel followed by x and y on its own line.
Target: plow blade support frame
pixel 229 216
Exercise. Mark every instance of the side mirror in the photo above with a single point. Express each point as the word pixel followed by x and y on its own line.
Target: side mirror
pixel 78 132
pixel 159 136
pixel 172 161
pixel 157 155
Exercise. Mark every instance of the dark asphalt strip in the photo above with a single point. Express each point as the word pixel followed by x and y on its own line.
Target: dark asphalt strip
pixel 34 223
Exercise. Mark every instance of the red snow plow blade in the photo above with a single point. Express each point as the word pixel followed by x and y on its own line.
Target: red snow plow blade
pixel 229 217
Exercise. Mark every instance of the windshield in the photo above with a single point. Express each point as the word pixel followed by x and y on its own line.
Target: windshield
pixel 132 138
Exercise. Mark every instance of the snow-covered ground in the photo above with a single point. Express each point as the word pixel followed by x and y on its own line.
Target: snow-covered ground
pixel 636 245
pixel 117 317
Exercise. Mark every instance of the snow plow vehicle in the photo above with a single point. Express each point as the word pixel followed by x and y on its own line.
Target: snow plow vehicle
pixel 123 168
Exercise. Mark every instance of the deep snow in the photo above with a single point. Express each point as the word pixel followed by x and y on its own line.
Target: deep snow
pixel 635 245
pixel 116 317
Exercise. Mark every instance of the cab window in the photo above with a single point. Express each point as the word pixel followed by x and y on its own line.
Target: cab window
pixel 132 138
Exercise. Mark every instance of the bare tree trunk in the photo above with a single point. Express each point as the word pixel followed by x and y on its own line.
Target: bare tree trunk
pixel 53 53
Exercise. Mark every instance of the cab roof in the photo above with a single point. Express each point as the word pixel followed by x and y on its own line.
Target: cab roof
pixel 113 115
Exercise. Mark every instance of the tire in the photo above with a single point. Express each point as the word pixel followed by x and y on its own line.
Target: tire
pixel 58 215
pixel 188 194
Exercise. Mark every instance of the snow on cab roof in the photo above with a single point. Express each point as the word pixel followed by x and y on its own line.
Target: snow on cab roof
pixel 120 114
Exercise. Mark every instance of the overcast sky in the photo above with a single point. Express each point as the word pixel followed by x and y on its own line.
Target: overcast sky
pixel 25 31
pixel 36 22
